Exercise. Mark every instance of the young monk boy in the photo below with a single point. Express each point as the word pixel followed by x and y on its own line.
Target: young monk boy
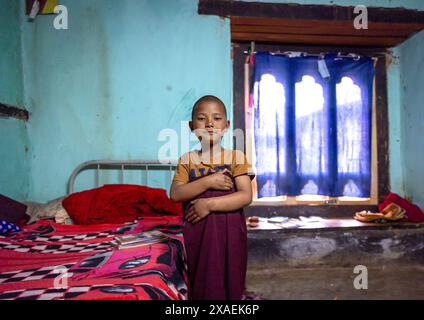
pixel 214 185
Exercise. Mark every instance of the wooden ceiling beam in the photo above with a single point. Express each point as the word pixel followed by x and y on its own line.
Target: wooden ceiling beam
pixel 383 42
pixel 309 12
pixel 319 30
pixel 314 24
pixel 405 27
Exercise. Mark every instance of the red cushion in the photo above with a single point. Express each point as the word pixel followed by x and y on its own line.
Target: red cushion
pixel 413 212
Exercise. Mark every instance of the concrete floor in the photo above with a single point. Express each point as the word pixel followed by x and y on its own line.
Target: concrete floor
pixel 318 262
pixel 386 282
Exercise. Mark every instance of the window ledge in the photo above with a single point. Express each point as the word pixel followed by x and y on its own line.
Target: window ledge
pixel 295 225
pixel 295 211
pixel 257 203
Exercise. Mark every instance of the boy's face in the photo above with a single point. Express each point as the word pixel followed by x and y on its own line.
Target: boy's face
pixel 209 122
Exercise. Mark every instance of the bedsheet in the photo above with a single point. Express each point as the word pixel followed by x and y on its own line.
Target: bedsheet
pixel 49 261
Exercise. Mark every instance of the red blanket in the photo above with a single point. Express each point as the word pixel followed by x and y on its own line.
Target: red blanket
pixel 51 261
pixel 117 203
pixel 413 212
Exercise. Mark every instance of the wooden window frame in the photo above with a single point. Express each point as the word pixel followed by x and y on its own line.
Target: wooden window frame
pixel 300 25
pixel 381 130
pixel 314 24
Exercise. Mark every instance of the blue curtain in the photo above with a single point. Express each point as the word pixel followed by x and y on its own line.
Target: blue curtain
pixel 312 132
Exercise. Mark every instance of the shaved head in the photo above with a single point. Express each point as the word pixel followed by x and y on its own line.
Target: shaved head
pixel 206 99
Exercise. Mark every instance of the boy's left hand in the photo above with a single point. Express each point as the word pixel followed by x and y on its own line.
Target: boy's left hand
pixel 198 210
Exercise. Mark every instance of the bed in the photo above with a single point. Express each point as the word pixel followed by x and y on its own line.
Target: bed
pixel 52 261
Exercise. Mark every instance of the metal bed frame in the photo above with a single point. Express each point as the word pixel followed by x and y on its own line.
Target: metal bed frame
pixel 122 164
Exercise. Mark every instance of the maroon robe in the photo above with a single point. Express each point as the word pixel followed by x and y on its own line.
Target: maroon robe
pixel 216 250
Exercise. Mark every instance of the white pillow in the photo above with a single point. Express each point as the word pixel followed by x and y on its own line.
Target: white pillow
pixel 50 210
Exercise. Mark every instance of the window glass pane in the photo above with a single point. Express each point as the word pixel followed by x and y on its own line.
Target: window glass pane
pixel 269 131
pixel 350 126
pixel 311 142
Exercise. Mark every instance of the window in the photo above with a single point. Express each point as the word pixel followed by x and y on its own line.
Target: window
pixel 322 28
pixel 306 157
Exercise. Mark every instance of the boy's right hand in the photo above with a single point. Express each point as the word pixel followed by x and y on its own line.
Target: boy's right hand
pixel 220 181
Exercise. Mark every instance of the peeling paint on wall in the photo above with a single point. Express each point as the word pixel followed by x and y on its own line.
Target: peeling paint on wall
pixel 307 250
pixel 391 248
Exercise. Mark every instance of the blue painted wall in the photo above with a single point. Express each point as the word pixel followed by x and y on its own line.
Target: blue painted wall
pixel 124 71
pixel 14 168
pixel 121 73
pixel 395 124
pixel 412 116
